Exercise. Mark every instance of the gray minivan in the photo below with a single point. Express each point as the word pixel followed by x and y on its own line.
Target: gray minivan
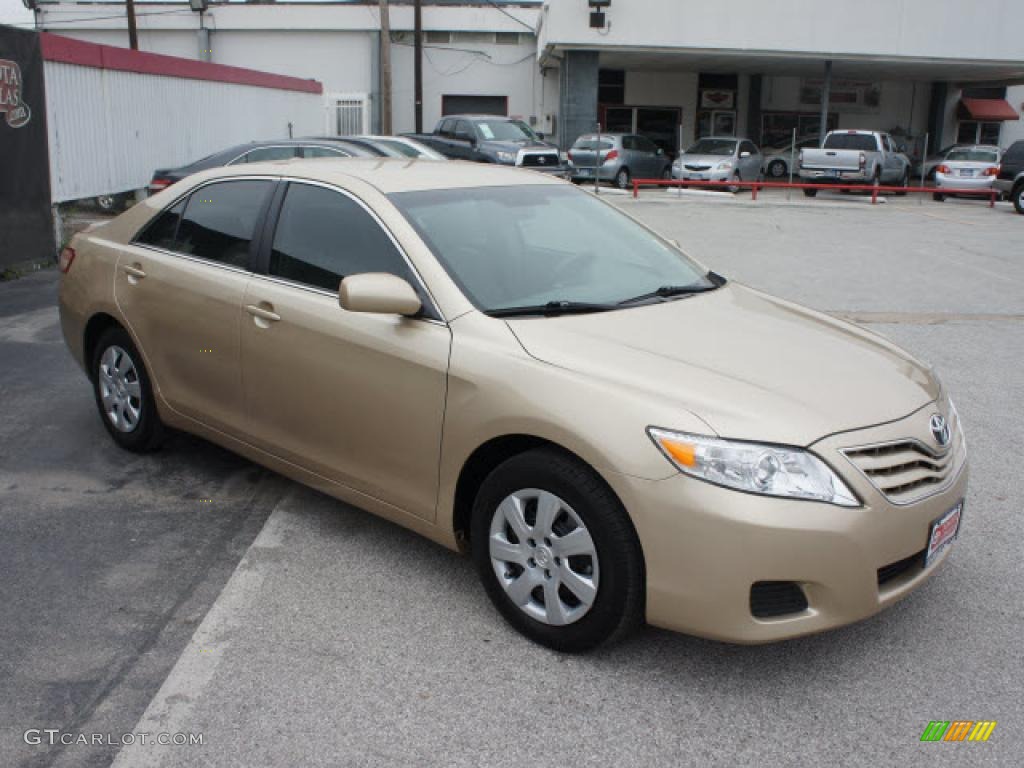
pixel 623 157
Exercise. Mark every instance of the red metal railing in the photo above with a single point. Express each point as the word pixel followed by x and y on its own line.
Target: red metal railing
pixel 754 186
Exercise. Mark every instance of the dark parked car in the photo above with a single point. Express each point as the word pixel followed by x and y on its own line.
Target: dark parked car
pixel 259 151
pixel 1010 180
pixel 492 139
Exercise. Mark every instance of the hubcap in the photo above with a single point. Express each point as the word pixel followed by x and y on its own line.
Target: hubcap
pixel 544 557
pixel 120 389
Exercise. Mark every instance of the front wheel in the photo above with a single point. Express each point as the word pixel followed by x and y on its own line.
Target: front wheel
pixel 938 197
pixel 777 169
pixel 622 178
pixel 733 188
pixel 810 192
pixel 1018 198
pixel 124 395
pixel 904 182
pixel 556 552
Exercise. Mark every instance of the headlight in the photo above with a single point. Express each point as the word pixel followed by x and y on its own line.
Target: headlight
pixel 772 470
pixel 725 166
pixel 506 157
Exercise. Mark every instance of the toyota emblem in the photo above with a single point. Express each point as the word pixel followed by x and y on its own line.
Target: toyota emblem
pixel 542 160
pixel 940 429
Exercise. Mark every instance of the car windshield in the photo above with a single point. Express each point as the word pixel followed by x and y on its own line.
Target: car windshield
pixel 528 245
pixel 398 146
pixel 591 143
pixel 973 156
pixel 712 147
pixel 864 142
pixel 505 130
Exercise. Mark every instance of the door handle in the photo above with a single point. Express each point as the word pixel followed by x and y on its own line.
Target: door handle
pixel 134 270
pixel 262 314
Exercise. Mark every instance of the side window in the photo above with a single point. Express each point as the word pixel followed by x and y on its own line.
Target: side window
pixel 162 231
pixel 748 146
pixel 322 236
pixel 463 130
pixel 323 152
pixel 268 153
pixel 628 142
pixel 447 128
pixel 220 220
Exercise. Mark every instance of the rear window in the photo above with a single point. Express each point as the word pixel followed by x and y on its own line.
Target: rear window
pixel 591 143
pixel 860 141
pixel 972 156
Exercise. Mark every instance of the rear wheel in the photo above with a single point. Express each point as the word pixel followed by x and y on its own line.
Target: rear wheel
pixel 938 197
pixel 666 175
pixel 123 393
pixel 556 552
pixel 1018 197
pixel 622 178
pixel 810 192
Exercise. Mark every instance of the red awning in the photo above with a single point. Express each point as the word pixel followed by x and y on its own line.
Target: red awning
pixel 990 110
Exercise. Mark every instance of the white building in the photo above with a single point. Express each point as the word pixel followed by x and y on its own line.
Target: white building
pixel 671 69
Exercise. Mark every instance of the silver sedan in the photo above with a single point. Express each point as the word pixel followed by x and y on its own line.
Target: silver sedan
pixel 719 158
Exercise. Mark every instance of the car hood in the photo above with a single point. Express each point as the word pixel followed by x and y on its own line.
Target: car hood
pixel 515 146
pixel 711 160
pixel 749 365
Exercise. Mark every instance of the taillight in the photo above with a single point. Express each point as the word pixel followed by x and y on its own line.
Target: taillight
pixel 612 155
pixel 67 255
pixel 569 153
pixel 942 169
pixel 993 171
pixel 863 159
pixel 158 184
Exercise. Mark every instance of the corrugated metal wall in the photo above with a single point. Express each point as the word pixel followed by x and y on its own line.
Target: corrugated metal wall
pixel 109 129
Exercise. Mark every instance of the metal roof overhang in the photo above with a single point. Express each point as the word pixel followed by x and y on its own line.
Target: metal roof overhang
pixel 810 64
pixel 989 110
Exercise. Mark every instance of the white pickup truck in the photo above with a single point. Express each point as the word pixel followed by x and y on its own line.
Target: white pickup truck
pixel 855 157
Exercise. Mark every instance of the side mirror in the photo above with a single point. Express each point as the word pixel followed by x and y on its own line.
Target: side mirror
pixel 540 136
pixel 902 148
pixel 378 293
pixel 744 154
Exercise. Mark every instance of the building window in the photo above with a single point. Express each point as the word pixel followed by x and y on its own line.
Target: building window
pixel 611 86
pixel 975 132
pixel 437 38
pixel 507 38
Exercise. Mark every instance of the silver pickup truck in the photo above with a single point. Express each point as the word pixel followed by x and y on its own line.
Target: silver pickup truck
pixel 855 157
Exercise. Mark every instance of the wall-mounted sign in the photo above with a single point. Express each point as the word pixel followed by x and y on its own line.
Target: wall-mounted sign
pixel 12 106
pixel 844 95
pixel 716 98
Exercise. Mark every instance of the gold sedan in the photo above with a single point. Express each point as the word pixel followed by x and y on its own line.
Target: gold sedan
pixel 522 371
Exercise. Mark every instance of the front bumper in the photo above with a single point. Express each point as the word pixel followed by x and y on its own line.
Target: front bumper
pixel 685 174
pixel 705 546
pixel 958 182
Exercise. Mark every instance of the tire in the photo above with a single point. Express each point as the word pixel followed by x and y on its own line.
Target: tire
pixel 622 179
pixel 666 175
pixel 904 182
pixel 124 397
pixel 579 498
pixel 810 192
pixel 777 169
pixel 734 190
pixel 108 203
pixel 1017 195
pixel 938 197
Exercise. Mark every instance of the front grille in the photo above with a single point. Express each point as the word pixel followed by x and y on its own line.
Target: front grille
pixel 698 167
pixel 540 159
pixel 771 599
pixel 907 470
pixel 893 571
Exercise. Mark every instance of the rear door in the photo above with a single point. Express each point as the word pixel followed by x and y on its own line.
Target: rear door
pixel 180 286
pixel 357 398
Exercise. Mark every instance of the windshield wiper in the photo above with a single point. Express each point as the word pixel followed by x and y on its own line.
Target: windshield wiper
pixel 669 291
pixel 551 309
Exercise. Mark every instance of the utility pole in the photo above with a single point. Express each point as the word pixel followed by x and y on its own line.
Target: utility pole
pixel 826 95
pixel 385 69
pixel 418 66
pixel 133 33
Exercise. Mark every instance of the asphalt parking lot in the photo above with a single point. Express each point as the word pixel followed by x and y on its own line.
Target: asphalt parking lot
pixel 341 639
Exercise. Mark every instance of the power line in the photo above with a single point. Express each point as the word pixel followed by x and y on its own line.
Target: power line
pixel 514 18
pixel 87 19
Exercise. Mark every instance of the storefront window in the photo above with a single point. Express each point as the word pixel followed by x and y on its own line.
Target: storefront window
pixel 974 132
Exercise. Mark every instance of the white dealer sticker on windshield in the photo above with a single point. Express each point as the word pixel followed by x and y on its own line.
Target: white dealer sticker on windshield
pixel 485 129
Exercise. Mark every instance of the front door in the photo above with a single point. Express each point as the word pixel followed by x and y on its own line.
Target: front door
pixel 357 398
pixel 180 287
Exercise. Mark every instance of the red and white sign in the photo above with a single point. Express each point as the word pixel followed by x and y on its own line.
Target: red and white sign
pixel 943 532
pixel 16 112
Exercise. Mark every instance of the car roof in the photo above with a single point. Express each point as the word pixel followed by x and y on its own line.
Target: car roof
pixel 389 174
pixel 478 117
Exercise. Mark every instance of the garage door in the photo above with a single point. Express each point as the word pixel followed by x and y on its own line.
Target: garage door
pixel 474 105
